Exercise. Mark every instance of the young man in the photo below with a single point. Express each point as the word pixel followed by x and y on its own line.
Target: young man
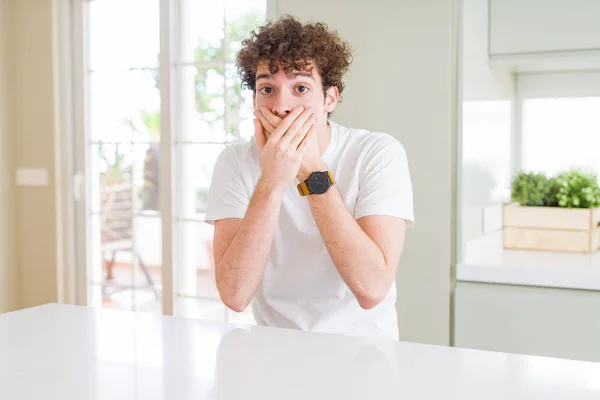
pixel 310 216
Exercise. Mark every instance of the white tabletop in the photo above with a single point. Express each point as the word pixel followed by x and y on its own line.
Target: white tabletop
pixel 58 352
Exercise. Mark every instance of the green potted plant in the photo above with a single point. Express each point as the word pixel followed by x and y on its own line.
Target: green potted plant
pixel 576 189
pixel 557 213
pixel 531 189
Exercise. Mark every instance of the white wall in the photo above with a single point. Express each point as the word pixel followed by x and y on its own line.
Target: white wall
pixel 8 266
pixel 34 132
pixel 480 82
pixel 401 82
pixel 487 123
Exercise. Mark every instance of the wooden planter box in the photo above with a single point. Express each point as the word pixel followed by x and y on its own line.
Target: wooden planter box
pixel 551 229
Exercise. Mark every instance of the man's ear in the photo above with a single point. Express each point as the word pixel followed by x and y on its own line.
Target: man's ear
pixel 254 100
pixel 331 98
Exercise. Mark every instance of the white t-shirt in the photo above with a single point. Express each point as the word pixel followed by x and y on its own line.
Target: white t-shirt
pixel 301 288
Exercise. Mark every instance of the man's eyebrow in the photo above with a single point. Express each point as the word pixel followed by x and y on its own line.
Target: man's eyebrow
pixel 301 73
pixel 293 75
pixel 263 76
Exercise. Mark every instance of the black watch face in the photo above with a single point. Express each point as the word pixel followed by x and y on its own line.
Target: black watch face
pixel 318 182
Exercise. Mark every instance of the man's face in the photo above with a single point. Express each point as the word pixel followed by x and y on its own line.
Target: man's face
pixel 280 93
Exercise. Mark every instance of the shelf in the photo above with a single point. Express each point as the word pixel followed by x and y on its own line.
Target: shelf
pixel 486 261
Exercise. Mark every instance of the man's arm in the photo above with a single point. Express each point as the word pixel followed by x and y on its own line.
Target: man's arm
pixel 242 247
pixel 367 253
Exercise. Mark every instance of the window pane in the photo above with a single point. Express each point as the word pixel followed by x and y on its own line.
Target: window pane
pixel 123 127
pixel 240 110
pixel 124 178
pixel 147 259
pixel 147 300
pixel 195 263
pixel 111 169
pixel 194 165
pixel 201 104
pixel 242 17
pixel 486 151
pixel 561 133
pixel 124 106
pixel 486 168
pixel 196 289
pixel 123 34
pixel 201 31
pixel 130 253
pixel 125 226
pixel 124 298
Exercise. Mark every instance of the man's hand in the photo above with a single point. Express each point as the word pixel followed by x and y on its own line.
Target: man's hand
pixel 281 155
pixel 311 160
pixel 268 120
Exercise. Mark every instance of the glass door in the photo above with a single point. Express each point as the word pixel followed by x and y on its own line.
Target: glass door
pixel 157 76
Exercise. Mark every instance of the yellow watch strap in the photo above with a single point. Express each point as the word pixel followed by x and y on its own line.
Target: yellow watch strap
pixel 303 189
pixel 331 177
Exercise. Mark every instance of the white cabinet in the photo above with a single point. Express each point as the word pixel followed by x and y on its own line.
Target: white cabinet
pixel 519 27
pixel 528 320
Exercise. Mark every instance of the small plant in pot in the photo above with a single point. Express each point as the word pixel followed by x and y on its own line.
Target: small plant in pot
pixel 559 213
pixel 532 189
pixel 576 188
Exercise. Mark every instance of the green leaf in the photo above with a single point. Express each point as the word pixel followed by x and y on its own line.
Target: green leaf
pixel 578 188
pixel 531 189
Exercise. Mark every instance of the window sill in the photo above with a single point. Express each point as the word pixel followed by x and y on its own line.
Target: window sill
pixel 486 261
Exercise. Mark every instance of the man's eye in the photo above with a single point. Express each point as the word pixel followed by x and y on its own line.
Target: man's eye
pixel 302 89
pixel 266 90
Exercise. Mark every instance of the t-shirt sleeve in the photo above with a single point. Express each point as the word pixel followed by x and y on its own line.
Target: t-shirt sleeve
pixel 227 196
pixel 385 186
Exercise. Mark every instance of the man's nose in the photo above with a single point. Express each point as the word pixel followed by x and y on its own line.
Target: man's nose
pixel 282 106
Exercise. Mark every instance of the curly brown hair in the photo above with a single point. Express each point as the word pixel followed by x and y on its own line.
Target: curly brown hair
pixel 294 46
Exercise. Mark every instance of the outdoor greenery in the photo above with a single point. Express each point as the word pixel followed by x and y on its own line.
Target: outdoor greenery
pixel 573 188
pixel 209 103
pixel 118 168
pixel 209 100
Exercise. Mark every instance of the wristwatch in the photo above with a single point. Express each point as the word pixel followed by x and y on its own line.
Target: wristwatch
pixel 317 183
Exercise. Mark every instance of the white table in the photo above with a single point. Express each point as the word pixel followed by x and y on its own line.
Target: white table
pixel 58 352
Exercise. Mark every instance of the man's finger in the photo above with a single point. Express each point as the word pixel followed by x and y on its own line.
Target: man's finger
pixel 264 121
pixel 273 119
pixel 259 134
pixel 302 133
pixel 296 127
pixel 306 139
pixel 286 123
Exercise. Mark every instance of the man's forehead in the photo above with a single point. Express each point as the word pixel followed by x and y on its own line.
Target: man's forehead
pixel 263 70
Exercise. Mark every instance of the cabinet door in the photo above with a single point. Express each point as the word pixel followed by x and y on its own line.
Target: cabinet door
pixel 528 320
pixel 544 26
